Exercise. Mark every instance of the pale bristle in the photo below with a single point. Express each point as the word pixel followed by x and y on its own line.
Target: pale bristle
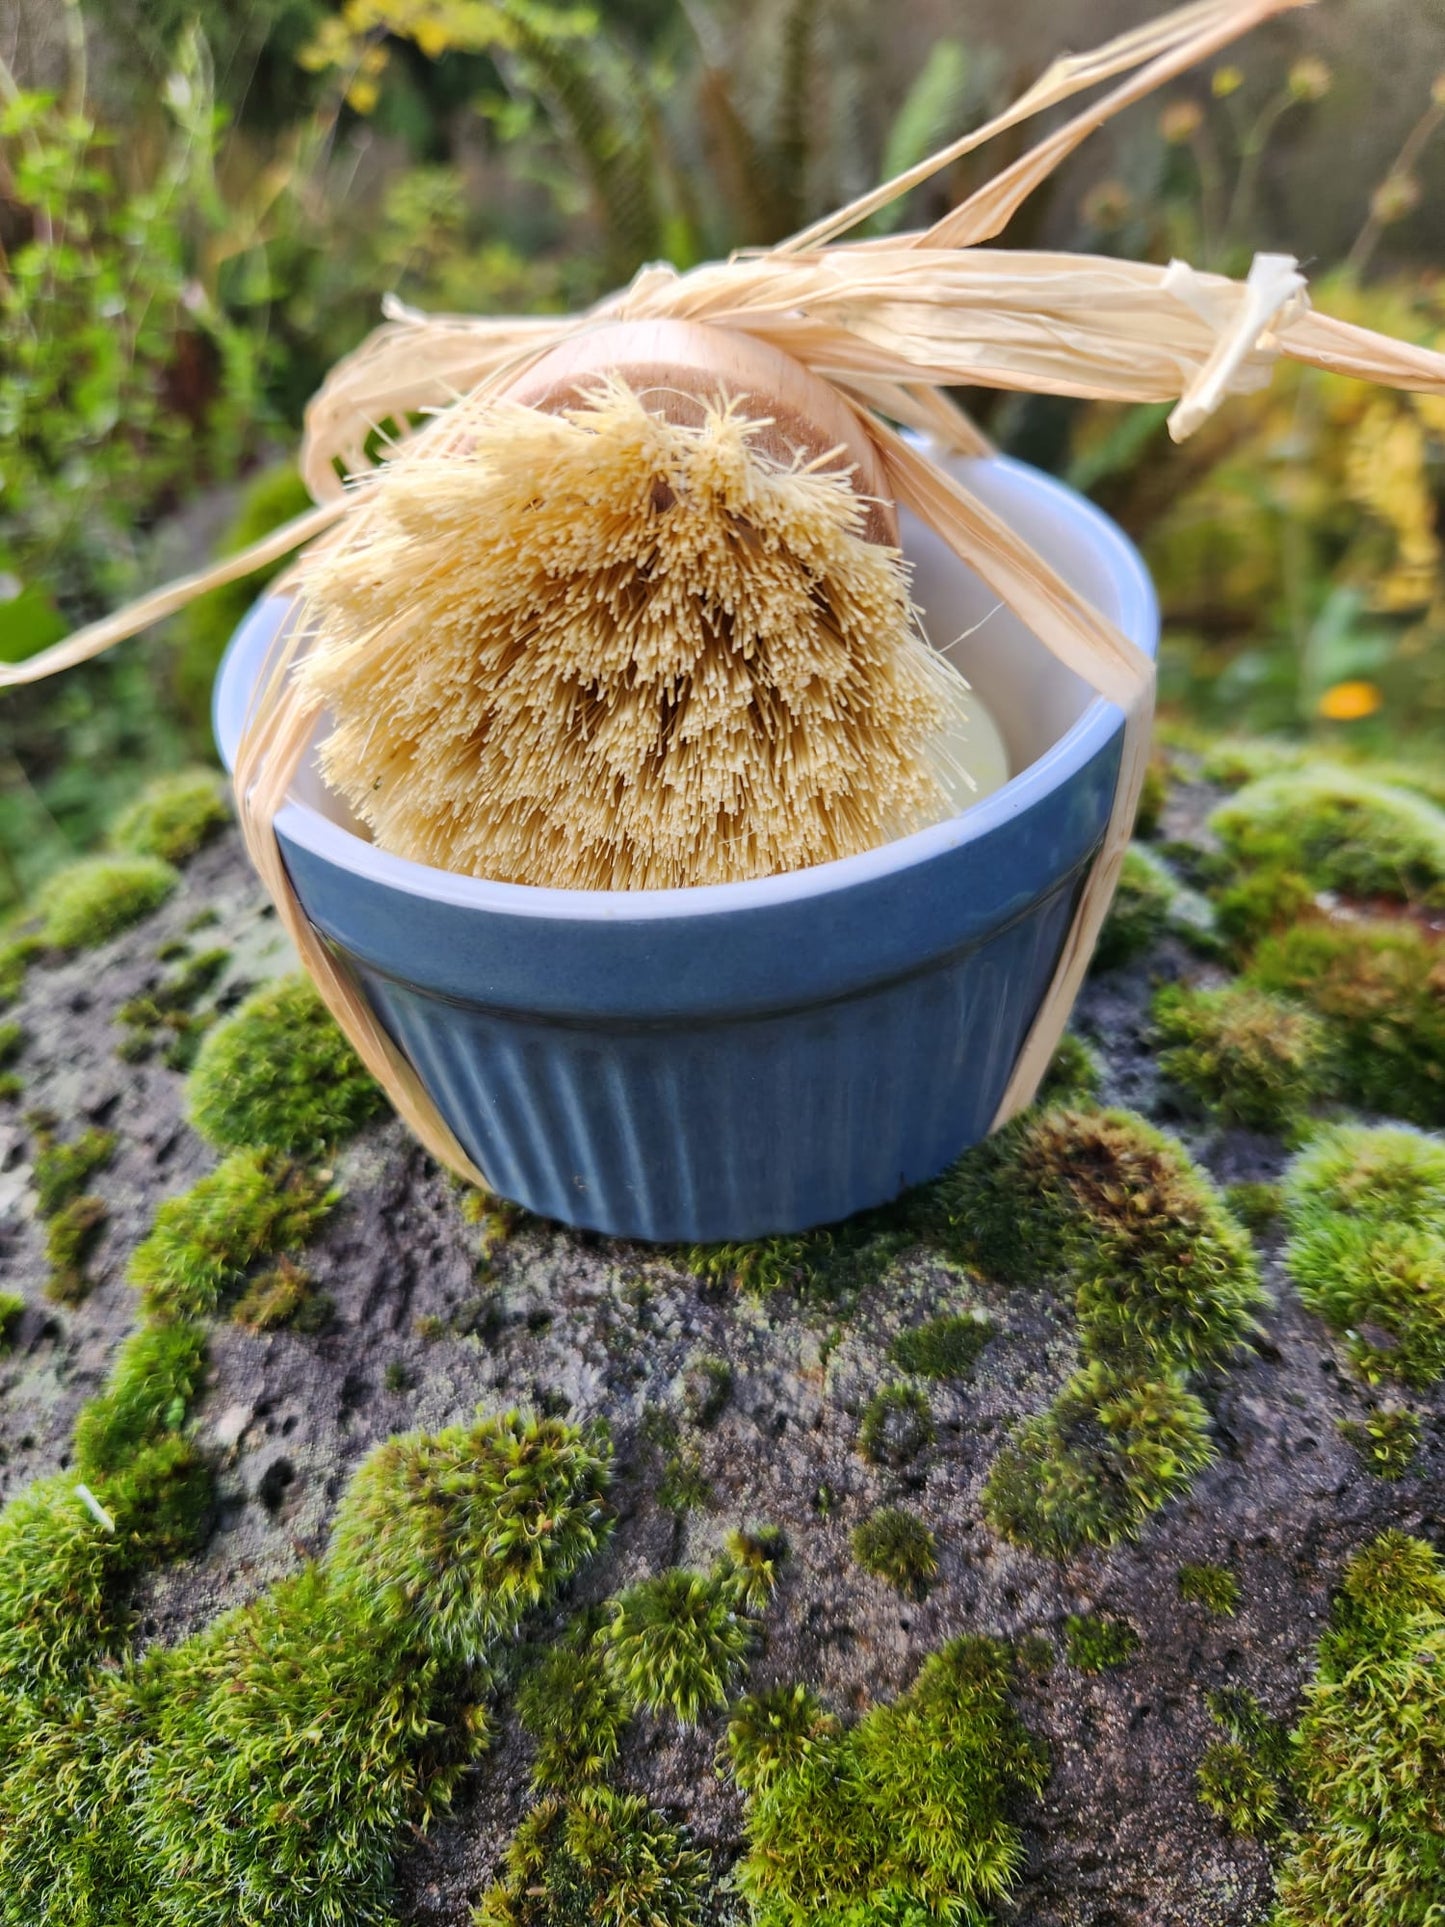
pixel 600 650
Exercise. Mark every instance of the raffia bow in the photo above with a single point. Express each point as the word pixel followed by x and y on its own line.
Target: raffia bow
pixel 891 323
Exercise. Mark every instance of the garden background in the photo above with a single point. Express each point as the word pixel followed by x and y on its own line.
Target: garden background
pixel 202 207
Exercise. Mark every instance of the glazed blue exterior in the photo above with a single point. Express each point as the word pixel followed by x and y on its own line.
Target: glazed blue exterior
pixel 726 1062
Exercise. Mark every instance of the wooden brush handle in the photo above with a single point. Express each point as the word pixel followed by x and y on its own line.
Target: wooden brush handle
pixel 677 367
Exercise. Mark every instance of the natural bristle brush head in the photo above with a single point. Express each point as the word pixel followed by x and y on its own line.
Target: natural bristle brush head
pixel 641 623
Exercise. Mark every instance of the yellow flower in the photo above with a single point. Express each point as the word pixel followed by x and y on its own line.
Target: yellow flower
pixel 432 37
pixel 1181 121
pixel 362 94
pixel 1227 81
pixel 1349 702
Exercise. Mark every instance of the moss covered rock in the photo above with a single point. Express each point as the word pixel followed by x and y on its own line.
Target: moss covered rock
pixel 1058 1544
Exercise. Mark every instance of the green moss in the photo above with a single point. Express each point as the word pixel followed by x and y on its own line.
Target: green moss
pixel 898 1548
pixel 66 1846
pixel 1074 1073
pixel 495 1218
pixel 203 1243
pixel 453 1536
pixel 1232 1784
pixel 574 1711
pixel 62 1171
pixel 1162 1273
pixel 279 1076
pixel 1153 796
pixel 1165 1285
pixel 1251 1058
pixel 1140 912
pixel 1096 1643
pixel 682 1485
pixel 268 1767
pixel 1092 1468
pixel 748 1568
pixel 775 1732
pixel 1213 1587
pixel 92 901
pixel 1369 1746
pixel 173 817
pixel 1035 1654
pixel 1342 832
pixel 161 1499
pixel 1234 761
pixel 12 1310
pixel 600 1856
pixel 707 1384
pixel 944 1347
pixel 824 1268
pixel 896 1425
pixel 290 1748
pixel 70 1237
pixel 1258 1207
pixel 16 956
pixel 1237 1711
pixel 166 1017
pixel 1380 986
pixel 282 1295
pixel 1366 1250
pixel 1386 1440
pixel 12 1042
pixel 675 1642
pixel 60 1574
pixel 152 1383
pixel 905 1816
pixel 1259 903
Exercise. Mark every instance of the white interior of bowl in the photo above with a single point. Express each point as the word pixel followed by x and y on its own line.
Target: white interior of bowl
pixel 1050 720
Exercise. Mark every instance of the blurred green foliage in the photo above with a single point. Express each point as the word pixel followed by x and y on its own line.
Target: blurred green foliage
pixel 205 208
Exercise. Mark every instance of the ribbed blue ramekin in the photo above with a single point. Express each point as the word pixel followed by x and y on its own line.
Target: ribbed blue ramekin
pixel 747 1058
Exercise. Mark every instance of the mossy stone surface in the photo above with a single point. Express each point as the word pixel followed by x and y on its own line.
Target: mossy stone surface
pixel 93 900
pixel 279 1076
pixel 290 1670
pixel 174 816
pixel 1342 831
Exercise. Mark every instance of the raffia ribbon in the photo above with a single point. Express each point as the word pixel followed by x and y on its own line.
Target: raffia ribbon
pixel 891 323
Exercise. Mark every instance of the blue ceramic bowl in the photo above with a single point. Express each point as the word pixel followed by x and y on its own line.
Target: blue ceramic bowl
pixel 748 1058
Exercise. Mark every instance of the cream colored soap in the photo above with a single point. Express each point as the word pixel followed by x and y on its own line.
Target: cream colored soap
pixel 975 744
